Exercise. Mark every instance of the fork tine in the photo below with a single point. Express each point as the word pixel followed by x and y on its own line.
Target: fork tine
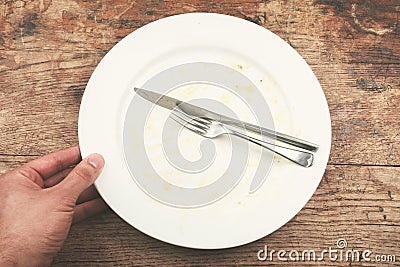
pixel 191 119
pixel 202 122
pixel 188 119
pixel 187 124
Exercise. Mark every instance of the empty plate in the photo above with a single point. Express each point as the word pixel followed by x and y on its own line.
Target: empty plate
pixel 182 188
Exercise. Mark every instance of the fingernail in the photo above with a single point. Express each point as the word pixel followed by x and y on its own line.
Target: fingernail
pixel 96 161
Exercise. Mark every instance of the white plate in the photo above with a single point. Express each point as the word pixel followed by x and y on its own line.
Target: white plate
pixel 279 77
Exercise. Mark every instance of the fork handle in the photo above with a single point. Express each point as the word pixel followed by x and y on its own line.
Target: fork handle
pixel 302 158
pixel 284 138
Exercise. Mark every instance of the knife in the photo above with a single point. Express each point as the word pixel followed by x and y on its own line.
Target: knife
pixel 193 110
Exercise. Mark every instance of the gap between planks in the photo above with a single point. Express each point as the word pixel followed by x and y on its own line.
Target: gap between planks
pixel 329 164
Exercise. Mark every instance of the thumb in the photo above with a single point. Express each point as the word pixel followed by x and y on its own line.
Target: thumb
pixel 82 176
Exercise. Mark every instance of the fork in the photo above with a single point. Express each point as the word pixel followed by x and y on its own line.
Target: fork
pixel 210 128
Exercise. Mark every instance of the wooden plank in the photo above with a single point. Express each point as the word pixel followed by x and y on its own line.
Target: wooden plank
pixel 48 51
pixel 358 204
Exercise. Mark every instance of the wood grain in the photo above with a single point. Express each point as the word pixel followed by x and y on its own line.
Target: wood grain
pixel 48 50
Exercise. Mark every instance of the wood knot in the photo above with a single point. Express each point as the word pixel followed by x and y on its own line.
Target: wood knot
pixel 372 86
pixel 372 21
pixel 28 25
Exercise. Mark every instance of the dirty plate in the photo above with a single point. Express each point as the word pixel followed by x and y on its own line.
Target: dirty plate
pixel 177 186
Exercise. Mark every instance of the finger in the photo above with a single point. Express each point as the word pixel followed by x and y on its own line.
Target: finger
pixel 27 172
pixel 55 162
pixel 88 209
pixel 58 177
pixel 89 194
pixel 81 177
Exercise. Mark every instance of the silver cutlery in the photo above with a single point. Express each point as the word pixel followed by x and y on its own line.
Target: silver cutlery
pixel 195 111
pixel 211 128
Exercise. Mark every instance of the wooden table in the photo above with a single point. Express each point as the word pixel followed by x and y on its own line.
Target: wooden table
pixel 48 50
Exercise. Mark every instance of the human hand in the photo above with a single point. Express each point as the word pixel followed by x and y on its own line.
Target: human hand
pixel 40 200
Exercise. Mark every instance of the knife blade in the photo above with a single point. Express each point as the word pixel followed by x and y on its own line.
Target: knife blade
pixel 193 110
